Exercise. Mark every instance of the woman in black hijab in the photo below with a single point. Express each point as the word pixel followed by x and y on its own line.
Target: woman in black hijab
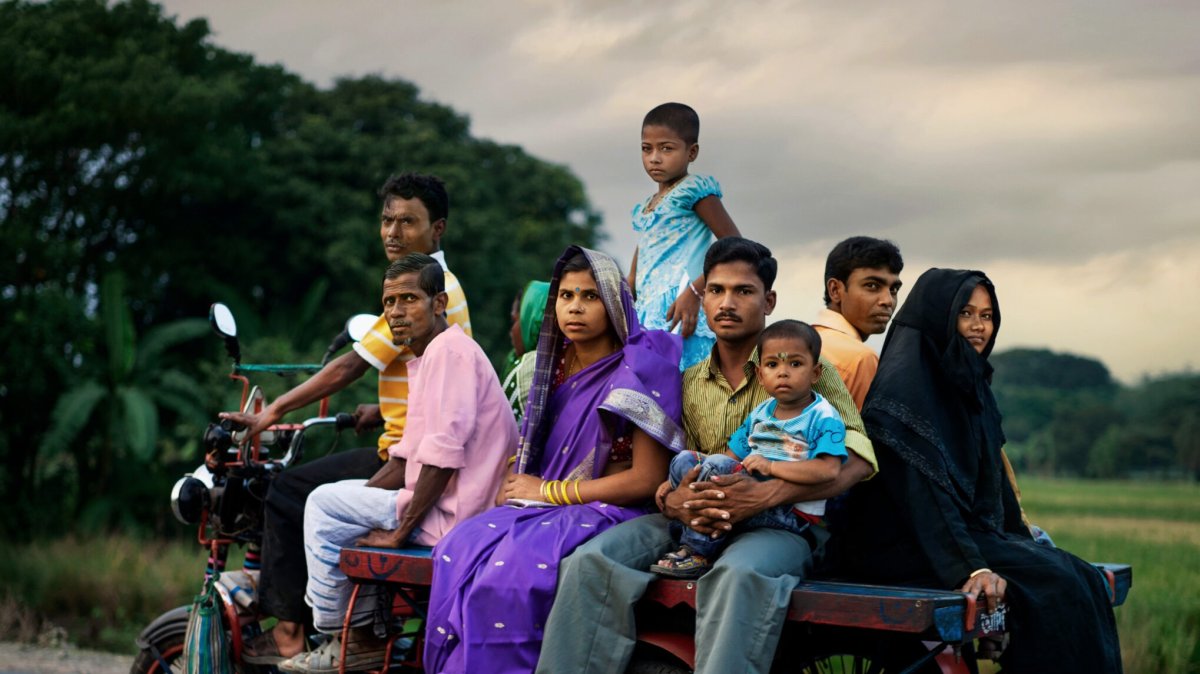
pixel 941 512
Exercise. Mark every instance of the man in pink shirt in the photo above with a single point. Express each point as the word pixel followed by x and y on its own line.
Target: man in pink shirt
pixel 447 467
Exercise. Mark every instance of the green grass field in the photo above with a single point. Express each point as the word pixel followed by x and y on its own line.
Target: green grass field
pixel 103 591
pixel 1156 528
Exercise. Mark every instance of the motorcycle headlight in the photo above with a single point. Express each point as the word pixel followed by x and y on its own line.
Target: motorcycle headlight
pixel 189 499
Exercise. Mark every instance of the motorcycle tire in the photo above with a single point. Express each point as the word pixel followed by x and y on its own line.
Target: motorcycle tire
pixel 160 646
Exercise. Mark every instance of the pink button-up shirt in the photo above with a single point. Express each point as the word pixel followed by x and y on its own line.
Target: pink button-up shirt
pixel 458 417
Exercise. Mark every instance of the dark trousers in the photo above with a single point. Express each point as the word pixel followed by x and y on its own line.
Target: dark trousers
pixel 284 574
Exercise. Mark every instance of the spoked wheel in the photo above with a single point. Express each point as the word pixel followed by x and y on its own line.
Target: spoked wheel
pixel 845 664
pixel 855 652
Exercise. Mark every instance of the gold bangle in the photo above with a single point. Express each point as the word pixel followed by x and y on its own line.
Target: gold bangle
pixel 512 460
pixel 545 490
pixel 555 495
pixel 562 493
pixel 578 498
pixel 978 572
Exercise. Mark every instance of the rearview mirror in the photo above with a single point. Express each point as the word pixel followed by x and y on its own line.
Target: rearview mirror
pixel 221 318
pixel 222 321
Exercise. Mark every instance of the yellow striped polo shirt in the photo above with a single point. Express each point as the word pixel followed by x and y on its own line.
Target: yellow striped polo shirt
pixel 713 410
pixel 391 360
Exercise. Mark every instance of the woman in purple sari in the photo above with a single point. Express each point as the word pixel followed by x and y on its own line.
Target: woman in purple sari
pixel 600 427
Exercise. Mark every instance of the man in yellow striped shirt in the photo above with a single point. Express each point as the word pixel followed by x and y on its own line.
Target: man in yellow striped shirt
pixel 413 220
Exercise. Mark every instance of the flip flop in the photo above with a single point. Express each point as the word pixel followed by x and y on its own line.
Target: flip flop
pixel 262 650
pixel 691 567
pixel 682 553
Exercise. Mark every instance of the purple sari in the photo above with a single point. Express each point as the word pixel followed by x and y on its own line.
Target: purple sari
pixel 495 574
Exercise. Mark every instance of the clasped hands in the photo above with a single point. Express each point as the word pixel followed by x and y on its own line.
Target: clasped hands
pixel 711 508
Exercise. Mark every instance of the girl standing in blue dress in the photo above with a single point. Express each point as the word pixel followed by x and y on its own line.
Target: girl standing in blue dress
pixel 677 224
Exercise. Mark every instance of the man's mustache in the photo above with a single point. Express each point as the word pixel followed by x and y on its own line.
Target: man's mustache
pixel 728 315
pixel 406 341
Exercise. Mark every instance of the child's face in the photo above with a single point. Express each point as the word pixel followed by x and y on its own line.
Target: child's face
pixel 665 155
pixel 787 369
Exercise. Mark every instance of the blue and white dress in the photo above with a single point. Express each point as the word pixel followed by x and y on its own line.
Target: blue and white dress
pixel 671 247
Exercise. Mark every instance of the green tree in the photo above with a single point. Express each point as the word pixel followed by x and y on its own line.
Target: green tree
pixel 1043 368
pixel 1187 443
pixel 113 413
pixel 127 143
pixel 1109 456
pixel 131 144
pixel 510 214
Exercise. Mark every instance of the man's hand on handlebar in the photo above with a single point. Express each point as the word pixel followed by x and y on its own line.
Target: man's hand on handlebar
pixel 254 423
pixel 366 418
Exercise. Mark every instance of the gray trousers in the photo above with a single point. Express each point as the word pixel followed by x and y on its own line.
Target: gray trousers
pixel 741 603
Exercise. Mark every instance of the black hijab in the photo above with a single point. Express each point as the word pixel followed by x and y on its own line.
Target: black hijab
pixel 931 400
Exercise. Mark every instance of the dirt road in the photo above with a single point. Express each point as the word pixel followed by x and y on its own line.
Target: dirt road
pixel 31 659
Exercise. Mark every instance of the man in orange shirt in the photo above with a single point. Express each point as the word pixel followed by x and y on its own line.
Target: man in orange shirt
pixel 862 282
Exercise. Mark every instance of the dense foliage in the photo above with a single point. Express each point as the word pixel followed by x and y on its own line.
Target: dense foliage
pixel 1065 415
pixel 144 173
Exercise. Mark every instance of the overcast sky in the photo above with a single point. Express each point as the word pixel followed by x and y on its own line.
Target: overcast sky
pixel 1055 145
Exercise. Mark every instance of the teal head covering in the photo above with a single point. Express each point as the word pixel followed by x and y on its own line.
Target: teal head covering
pixel 533 307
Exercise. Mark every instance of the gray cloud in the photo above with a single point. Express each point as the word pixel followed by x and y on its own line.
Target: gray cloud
pixel 1028 136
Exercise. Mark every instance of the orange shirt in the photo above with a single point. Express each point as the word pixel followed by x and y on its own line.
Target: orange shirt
pixel 843 346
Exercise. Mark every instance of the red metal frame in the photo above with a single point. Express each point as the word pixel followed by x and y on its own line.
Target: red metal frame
pixel 1112 584
pixel 399 609
pixel 165 656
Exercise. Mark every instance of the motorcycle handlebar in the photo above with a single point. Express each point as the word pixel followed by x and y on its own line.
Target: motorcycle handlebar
pixel 339 422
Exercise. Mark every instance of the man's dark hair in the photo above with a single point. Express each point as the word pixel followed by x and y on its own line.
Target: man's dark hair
pixel 790 329
pixel 737 249
pixel 431 278
pixel 429 189
pixel 677 117
pixel 860 252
